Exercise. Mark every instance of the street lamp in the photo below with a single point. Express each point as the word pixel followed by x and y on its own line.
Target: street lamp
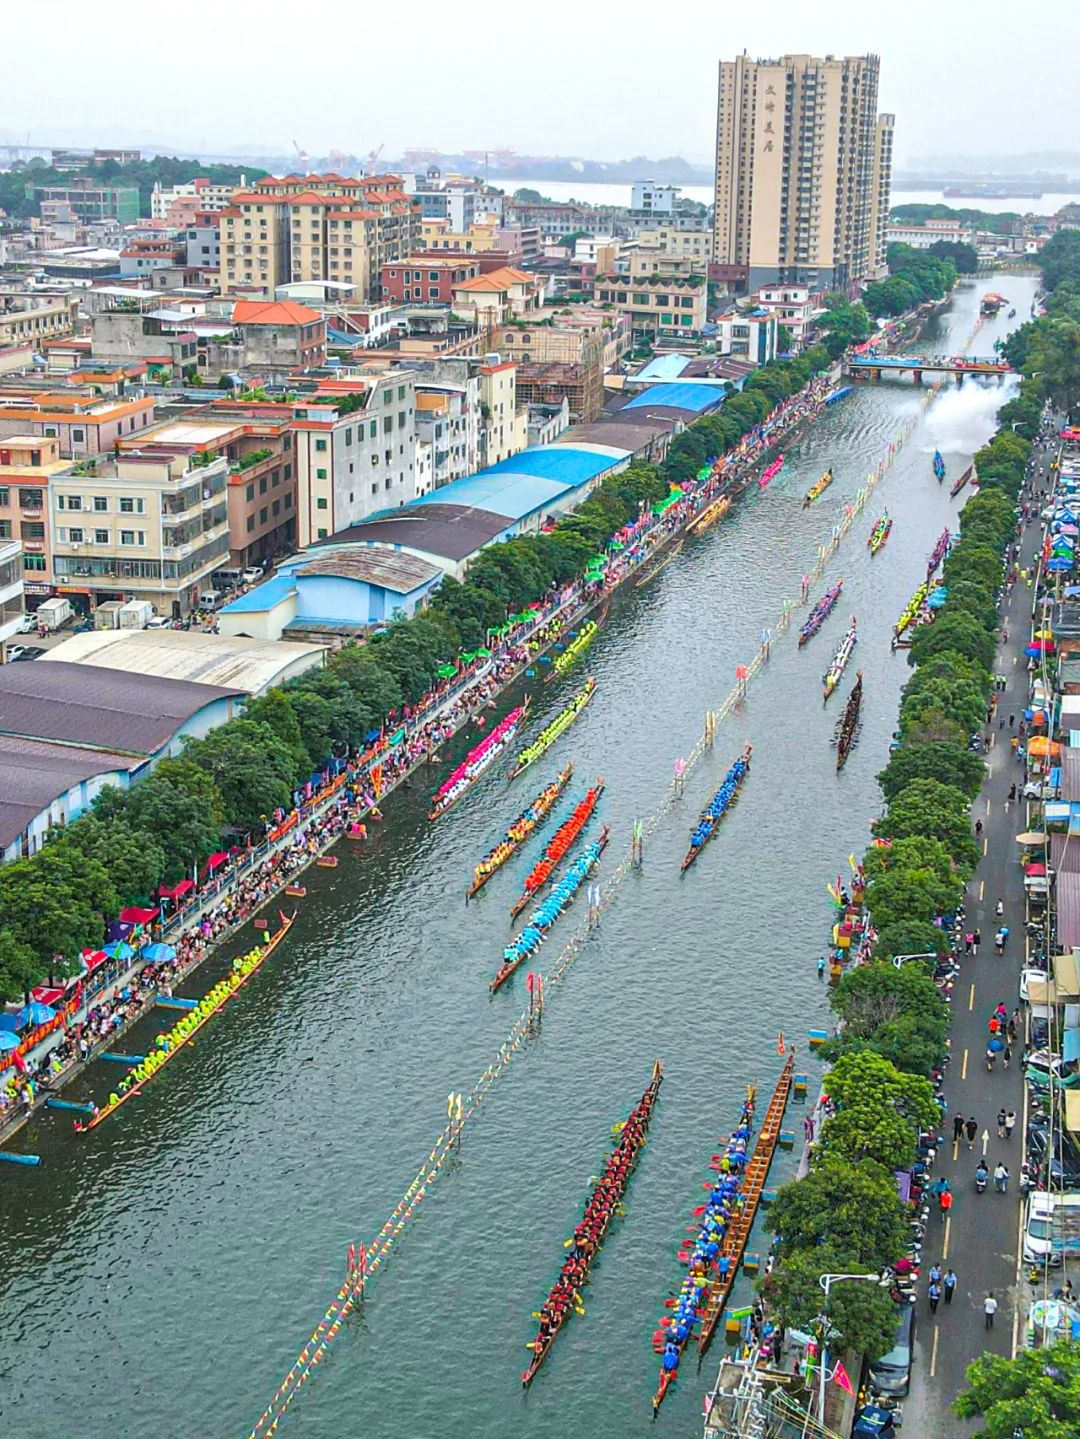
pixel 827 1281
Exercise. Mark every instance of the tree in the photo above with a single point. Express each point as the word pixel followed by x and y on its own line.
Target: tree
pixel 950 764
pixel 964 257
pixel 880 1111
pixel 55 903
pixel 970 599
pixel 20 969
pixel 1034 1396
pixel 192 780
pixel 853 1207
pixel 928 809
pixel 897 1013
pixel 1055 357
pixel 910 937
pixel 960 634
pixel 276 710
pixel 183 823
pixel 860 1314
pixel 1059 258
pixel 134 860
pixel 250 766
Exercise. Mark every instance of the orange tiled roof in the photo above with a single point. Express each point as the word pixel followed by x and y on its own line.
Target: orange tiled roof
pixel 273 312
pixel 497 280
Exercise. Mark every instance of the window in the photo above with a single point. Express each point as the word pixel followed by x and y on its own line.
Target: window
pixel 262 484
pixel 75 536
pixel 373 429
pixel 250 493
pixel 262 515
pixel 50 432
pixel 31 499
pixel 433 292
pixel 5 529
pixel 33 563
pixel 275 508
pixel 388 424
pixel 127 537
pixel 101 504
pixel 348 436
pixel 250 523
pixel 131 506
pixel 432 275
pixel 74 502
pixel 375 488
pixel 387 395
pixel 78 436
pixel 101 537
pixel 321 535
pixel 320 474
pixel 389 481
pixel 288 501
pixel 320 504
pixel 320 445
pixel 374 459
pixel 401 392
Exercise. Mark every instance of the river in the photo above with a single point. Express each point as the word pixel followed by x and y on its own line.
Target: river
pixel 596 192
pixel 160 1275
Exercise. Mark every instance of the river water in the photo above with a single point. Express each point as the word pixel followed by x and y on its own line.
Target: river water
pixel 160 1275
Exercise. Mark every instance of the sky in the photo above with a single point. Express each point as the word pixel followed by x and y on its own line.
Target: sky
pixel 599 81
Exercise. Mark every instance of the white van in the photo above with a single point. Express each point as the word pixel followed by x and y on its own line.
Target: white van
pixel 1051 1227
pixel 210 599
pixel 227 579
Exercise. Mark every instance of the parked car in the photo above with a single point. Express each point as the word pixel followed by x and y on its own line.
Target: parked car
pixel 253 574
pixel 159 622
pixel 27 623
pixel 1065 1166
pixel 25 652
pixel 1040 789
pixel 891 1374
pixel 1032 974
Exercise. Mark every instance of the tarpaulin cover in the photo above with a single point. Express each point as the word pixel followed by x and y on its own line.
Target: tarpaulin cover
pixel 135 915
pixel 177 890
pixel 1070 1048
pixel 93 959
pixel 217 858
pixel 1033 871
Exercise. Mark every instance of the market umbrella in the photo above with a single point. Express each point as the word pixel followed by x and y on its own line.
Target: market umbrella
pixel 1044 634
pixel 1057 566
pixel 35 1014
pixel 1031 837
pixel 119 950
pixel 996 1045
pixel 159 953
pixel 8 1041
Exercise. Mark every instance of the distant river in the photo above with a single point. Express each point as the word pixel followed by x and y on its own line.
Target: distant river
pixel 159 1276
pixel 593 193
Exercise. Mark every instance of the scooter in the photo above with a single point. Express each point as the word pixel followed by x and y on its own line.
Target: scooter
pixel 980 1180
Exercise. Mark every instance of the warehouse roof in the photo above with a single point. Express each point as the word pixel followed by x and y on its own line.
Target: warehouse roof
pixel 396 570
pixel 102 708
pixel 696 397
pixel 452 532
pixel 632 436
pixel 35 773
pixel 244 664
pixel 262 597
pixel 663 367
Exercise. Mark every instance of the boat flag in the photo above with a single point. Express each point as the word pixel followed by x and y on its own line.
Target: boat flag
pixel 780 1042
pixel 840 1376
pixel 854 866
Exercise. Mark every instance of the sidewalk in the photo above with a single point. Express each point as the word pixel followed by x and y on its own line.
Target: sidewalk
pixel 981 1238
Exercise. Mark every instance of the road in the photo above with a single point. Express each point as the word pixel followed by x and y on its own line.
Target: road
pixel 980 1239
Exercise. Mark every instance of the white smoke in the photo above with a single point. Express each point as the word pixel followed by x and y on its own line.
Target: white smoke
pixel 962 419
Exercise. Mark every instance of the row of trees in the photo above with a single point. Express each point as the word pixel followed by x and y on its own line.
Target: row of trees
pixel 914 276
pixel 846 1215
pixel 17 183
pixel 1047 349
pixel 55 903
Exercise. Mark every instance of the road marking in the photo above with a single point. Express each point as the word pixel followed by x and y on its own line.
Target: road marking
pixel 986 844
pixel 933 1352
pixel 971 998
pixel 955 1149
pixel 987 804
pixel 963 1067
pixel 982 889
pixel 945 1246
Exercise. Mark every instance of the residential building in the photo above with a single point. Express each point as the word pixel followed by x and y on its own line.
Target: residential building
pixel 696 245
pixel 548 422
pixel 504 423
pixel 498 296
pixel 430 279
pixel 444 418
pixel 139 325
pixel 793 308
pixel 558 361
pixel 316 227
pixel 91 201
pixel 750 336
pixel 85 424
pixel 653 198
pixel 355 444
pixel 12 604
pixel 803 170
pixel 657 305
pixel 551 217
pixel 168 201
pixel 202 244
pixel 31 319
pixel 279 335
pixel 71 161
pixel 26 463
pixel 139 257
pixel 150 523
pixel 648 261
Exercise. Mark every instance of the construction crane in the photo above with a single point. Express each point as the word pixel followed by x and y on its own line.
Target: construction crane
pixel 305 165
pixel 373 155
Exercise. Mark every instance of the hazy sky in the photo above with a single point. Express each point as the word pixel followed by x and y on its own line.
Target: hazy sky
pixel 601 81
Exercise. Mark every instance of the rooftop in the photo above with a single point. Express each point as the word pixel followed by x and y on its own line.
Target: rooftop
pixel 100 708
pixel 696 398
pixel 449 531
pixel 502 279
pixel 273 312
pixel 396 570
pixel 262 597
pixel 191 656
pixel 36 773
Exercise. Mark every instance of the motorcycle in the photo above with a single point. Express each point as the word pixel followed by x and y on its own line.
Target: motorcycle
pixel 980 1179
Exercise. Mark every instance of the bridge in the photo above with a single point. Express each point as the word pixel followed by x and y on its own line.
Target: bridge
pixel 875 367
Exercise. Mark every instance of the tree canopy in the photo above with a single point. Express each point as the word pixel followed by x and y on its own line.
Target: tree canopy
pixel 1034 1396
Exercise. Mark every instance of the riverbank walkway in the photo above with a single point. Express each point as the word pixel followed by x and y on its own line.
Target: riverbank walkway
pixel 981 1238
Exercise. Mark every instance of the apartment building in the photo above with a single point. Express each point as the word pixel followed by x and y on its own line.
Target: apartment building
pixel 792 307
pixel 316 227
pixel 428 279
pixel 26 464
pixel 504 420
pixel 749 336
pixel 92 202
pixel 653 198
pixel 644 260
pixel 83 423
pixel 657 305
pixel 921 237
pixel 696 245
pixel 550 217
pixel 503 294
pixel 12 603
pixel 27 319
pixel 803 170
pixel 355 442
pixel 150 523
pixel 168 202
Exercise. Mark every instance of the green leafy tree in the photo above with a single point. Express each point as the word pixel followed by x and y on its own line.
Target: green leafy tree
pixel 192 780
pixel 910 937
pixel 1055 357
pixel 20 968
pixel 251 767
pixel 928 809
pixel 860 1314
pixel 964 257
pixel 183 823
pixel 855 1205
pixel 55 903
pixel 275 709
pixel 950 764
pixel 1034 1396
pixel 897 1013
pixel 879 1112
pixel 134 860
pixel 1059 259
pixel 958 633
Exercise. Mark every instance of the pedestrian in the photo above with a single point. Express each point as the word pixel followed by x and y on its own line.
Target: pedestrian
pixel 948 1284
pixel 1010 1123
pixel 971 1128
pixel 969 940
pixel 1001 1177
pixel 957 1128
pixel 934 1294
pixel 935 1273
pixel 1012 722
pixel 945 1203
pixel 1001 1123
pixel 940 1186
pixel 977 937
pixel 994 1025
pixel 989 1309
pixel 1006 1056
pixel 1014 1024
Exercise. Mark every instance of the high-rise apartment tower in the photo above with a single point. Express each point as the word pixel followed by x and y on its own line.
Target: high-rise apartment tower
pixel 803 166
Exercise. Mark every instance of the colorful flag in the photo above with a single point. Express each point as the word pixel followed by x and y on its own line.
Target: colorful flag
pixel 840 1376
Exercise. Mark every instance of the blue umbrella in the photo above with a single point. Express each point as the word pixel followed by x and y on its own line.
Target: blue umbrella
pixel 119 950
pixel 158 953
pixel 996 1046
pixel 1056 566
pixel 35 1014
pixel 8 1041
pixel 9 1022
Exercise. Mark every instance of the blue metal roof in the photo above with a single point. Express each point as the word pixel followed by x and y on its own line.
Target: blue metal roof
pixel 568 465
pixel 696 398
pixel 511 495
pixel 262 597
pixel 663 367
